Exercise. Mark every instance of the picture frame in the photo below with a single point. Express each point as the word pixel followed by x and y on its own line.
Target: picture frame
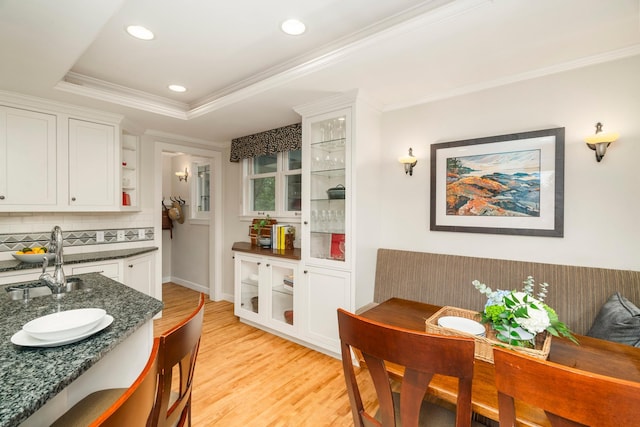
pixel 505 184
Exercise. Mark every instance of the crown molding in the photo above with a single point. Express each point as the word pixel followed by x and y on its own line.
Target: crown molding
pixel 91 87
pixel 600 58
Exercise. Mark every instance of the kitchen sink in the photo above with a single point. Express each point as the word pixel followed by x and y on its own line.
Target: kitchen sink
pixel 35 289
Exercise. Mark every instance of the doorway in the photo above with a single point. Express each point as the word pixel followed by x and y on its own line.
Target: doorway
pixel 197 242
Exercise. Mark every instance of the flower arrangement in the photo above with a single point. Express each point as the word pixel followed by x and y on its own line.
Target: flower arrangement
pixel 518 316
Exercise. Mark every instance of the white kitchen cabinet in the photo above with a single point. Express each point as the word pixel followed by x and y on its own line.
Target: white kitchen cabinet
pixel 340 149
pixel 93 168
pixel 111 269
pixel 264 292
pixel 28 152
pixel 139 273
pixel 58 159
pixel 325 291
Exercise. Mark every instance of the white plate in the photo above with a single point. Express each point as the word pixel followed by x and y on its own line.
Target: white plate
pixel 21 338
pixel 462 324
pixel 64 324
pixel 34 258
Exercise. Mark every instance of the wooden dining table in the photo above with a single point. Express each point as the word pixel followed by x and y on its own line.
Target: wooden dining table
pixel 593 355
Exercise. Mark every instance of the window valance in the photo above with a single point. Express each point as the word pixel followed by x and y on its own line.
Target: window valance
pixel 286 138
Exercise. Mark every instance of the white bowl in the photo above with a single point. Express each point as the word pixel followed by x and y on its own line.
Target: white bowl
pixel 34 258
pixel 462 324
pixel 64 324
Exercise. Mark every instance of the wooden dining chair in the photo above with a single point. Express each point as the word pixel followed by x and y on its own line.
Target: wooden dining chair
pixel 180 346
pixel 422 356
pixel 570 397
pixel 131 406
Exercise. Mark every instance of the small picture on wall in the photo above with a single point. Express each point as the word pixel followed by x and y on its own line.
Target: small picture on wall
pixel 507 184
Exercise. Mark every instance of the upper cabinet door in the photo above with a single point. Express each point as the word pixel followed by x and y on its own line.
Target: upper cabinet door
pixel 327 189
pixel 92 165
pixel 27 158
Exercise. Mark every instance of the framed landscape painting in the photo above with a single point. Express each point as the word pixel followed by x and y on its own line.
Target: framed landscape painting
pixel 506 184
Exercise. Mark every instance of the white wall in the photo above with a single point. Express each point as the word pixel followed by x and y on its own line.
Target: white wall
pixel 602 203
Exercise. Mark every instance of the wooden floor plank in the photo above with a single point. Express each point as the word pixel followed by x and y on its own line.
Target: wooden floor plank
pixel 247 377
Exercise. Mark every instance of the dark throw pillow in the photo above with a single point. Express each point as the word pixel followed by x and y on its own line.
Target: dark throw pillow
pixel 618 321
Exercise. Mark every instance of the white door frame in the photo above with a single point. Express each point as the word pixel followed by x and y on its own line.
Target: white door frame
pixel 215 223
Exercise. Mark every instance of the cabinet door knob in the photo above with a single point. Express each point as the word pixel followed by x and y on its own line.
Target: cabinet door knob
pixel 1 197
pixel 258 263
pixel 73 199
pixel 305 223
pixel 130 266
pixel 268 265
pixel 306 271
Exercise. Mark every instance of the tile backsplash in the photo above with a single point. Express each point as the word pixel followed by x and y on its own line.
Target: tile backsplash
pixel 10 242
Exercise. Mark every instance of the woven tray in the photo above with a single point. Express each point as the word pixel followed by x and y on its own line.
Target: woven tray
pixel 484 345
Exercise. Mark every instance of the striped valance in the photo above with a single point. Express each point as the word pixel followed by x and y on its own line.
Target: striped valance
pixel 286 138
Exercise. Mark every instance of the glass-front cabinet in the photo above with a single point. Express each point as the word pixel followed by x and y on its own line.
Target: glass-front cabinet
pixel 265 290
pixel 247 275
pixel 326 216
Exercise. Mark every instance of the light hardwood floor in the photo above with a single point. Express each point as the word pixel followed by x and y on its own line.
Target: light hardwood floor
pixel 248 377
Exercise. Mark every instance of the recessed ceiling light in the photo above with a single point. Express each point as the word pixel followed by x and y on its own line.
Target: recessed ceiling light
pixel 177 88
pixel 140 32
pixel 293 27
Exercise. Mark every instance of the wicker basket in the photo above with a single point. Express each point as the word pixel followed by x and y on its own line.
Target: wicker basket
pixel 484 345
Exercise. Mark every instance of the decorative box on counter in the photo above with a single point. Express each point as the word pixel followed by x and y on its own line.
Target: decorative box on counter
pixel 484 345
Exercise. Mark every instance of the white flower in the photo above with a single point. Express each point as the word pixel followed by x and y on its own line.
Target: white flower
pixel 537 321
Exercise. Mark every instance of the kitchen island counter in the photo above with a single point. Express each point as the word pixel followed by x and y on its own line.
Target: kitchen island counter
pixel 42 379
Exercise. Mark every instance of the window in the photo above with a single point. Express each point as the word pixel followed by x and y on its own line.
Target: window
pixel 273 184
pixel 200 190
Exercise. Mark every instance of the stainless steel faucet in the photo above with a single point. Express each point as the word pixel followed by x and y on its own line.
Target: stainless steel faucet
pixel 57 283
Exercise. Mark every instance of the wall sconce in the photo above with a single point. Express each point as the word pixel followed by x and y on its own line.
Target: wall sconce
pixel 599 141
pixel 183 176
pixel 409 162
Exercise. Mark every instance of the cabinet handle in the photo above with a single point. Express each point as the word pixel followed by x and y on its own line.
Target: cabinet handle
pixel 268 265
pixel 306 271
pixel 1 197
pixel 130 265
pixel 258 263
pixel 73 199
pixel 305 223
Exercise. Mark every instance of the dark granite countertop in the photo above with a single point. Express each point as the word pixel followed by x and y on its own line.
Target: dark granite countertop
pixel 15 265
pixel 32 376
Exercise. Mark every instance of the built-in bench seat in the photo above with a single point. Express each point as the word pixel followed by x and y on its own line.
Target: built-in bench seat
pixel 576 293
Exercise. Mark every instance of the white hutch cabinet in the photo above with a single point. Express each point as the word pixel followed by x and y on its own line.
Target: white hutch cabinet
pixel 340 163
pixel 339 226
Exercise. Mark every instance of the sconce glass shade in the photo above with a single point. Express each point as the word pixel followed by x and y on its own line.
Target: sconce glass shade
pixel 599 141
pixel 409 162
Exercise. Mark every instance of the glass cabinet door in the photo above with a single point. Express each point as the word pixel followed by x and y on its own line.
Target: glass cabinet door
pixel 328 192
pixel 249 286
pixel 282 289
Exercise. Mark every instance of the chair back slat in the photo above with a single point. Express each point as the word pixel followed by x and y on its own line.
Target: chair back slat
pixel 180 349
pixel 422 355
pixel 569 396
